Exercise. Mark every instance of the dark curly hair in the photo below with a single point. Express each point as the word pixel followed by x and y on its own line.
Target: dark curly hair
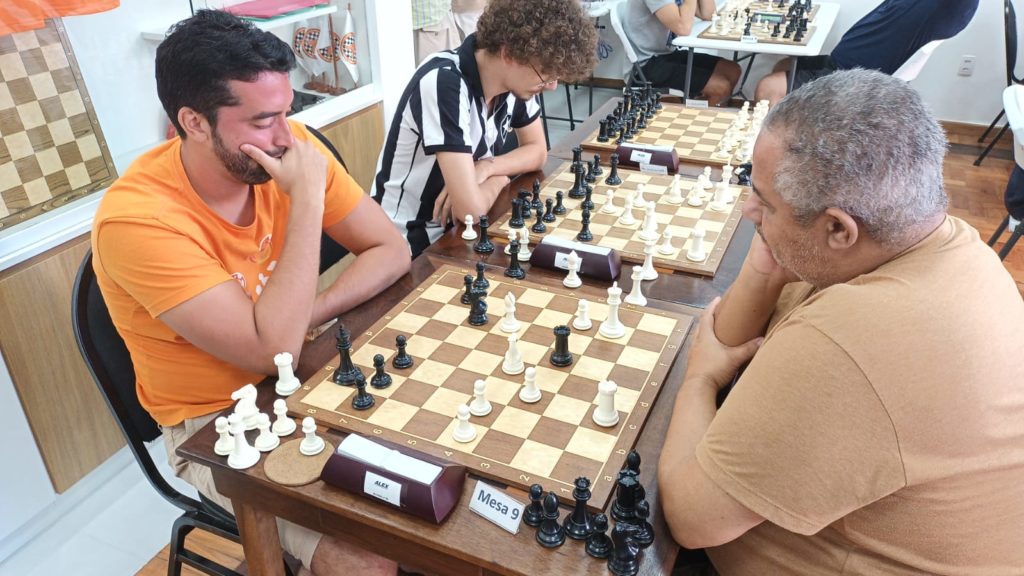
pixel 553 35
pixel 201 54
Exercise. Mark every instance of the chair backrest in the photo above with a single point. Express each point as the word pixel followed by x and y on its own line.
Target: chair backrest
pixel 1013 104
pixel 330 251
pixel 110 364
pixel 913 66
pixel 1010 25
pixel 617 13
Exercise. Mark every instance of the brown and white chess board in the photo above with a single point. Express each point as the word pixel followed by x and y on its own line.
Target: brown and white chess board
pixel 760 31
pixel 551 442
pixel 694 133
pixel 52 150
pixel 679 219
pixel 767 7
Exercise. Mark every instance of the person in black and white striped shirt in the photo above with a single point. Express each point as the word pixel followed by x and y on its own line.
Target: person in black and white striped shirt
pixel 442 157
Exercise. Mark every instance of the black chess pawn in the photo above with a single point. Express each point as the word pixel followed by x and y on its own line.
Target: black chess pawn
pixel 559 208
pixel 743 174
pixel 746 28
pixel 776 30
pixel 534 512
pixel 515 269
pixel 468 280
pixel 788 32
pixel 624 507
pixel 561 356
pixel 657 101
pixel 402 360
pixel 613 178
pixel 549 215
pixel 537 204
pixel 590 178
pixel 538 226
pixel 481 282
pixel 550 534
pixel 597 165
pixel 598 543
pixel 644 535
pixel 525 205
pixel 380 378
pixel 516 221
pixel 588 199
pixel 798 36
pixel 641 120
pixel 483 244
pixel 632 467
pixel 624 559
pixel 585 235
pixel 622 135
pixel 579 524
pixel 347 372
pixel 478 308
pixel 577 186
pixel 602 135
pixel 363 400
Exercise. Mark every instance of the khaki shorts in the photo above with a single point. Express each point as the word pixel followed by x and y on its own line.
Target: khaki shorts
pixel 298 541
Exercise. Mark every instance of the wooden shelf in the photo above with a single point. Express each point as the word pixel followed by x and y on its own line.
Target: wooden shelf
pixel 157 35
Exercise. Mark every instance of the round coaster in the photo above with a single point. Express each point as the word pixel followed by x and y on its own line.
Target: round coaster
pixel 289 467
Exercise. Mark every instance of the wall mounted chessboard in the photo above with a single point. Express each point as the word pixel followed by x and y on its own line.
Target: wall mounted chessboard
pixel 680 219
pixel 52 150
pixel 693 132
pixel 550 442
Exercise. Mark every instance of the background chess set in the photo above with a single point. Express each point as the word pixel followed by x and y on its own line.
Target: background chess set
pixel 52 150
pixel 551 442
pixel 679 219
pixel 737 10
pixel 694 133
pixel 764 6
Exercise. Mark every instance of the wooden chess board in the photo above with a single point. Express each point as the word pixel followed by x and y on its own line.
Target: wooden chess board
pixel 765 6
pixel 758 31
pixel 551 442
pixel 52 150
pixel 694 133
pixel 679 219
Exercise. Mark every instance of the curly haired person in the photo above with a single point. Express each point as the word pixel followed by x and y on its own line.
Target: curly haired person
pixel 442 158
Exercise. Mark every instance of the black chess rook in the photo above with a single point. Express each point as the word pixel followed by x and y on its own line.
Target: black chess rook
pixel 561 356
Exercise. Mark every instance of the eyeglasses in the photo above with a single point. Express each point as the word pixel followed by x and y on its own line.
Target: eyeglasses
pixel 544 82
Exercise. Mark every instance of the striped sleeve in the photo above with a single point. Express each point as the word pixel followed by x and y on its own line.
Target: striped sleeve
pixel 444 112
pixel 525 112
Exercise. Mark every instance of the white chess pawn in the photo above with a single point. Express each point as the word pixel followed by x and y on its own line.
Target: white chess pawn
pixel 647 271
pixel 636 294
pixel 572 279
pixel 638 200
pixel 524 245
pixel 480 406
pixel 605 414
pixel 675 196
pixel 609 203
pixel 694 197
pixel 267 440
pixel 469 233
pixel 718 203
pixel 649 230
pixel 283 425
pixel 509 323
pixel 246 407
pixel 513 363
pixel 242 454
pixel 612 327
pixel 529 392
pixel 706 182
pixel 287 383
pixel 312 444
pixel 696 251
pixel 464 430
pixel 512 236
pixel 626 218
pixel 582 319
pixel 666 248
pixel 225 443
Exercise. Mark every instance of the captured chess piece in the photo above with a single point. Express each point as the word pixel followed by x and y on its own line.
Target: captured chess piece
pixel 469 233
pixel 267 440
pixel 534 512
pixel 579 524
pixel 380 379
pixel 402 360
pixel 561 356
pixel 347 372
pixel 644 536
pixel 598 543
pixel 624 560
pixel 225 443
pixel 550 534
pixel 287 383
pixel 312 444
pixel 242 454
pixel 484 244
pixel 514 270
pixel 283 425
pixel 626 491
pixel 246 407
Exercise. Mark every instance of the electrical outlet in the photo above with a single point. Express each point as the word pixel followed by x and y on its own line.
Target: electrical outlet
pixel 966 67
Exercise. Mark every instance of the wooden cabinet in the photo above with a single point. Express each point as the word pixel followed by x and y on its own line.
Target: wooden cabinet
pixel 359 138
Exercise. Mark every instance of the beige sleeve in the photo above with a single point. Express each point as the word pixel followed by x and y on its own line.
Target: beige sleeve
pixel 802 439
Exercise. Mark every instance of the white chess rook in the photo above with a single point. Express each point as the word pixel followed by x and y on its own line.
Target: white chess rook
pixel 464 430
pixel 696 252
pixel 582 319
pixel 469 233
pixel 283 425
pixel 572 279
pixel 529 392
pixel 636 295
pixel 605 414
pixel 312 444
pixel 287 383
pixel 513 363
pixel 510 324
pixel 480 406
pixel 612 327
pixel 650 227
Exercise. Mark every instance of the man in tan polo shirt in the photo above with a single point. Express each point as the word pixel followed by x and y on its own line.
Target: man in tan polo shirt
pixel 879 427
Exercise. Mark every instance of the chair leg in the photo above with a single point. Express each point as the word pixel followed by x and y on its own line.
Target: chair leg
pixel 999 231
pixel 568 103
pixel 991 145
pixel 991 126
pixel 179 530
pixel 1013 240
pixel 544 120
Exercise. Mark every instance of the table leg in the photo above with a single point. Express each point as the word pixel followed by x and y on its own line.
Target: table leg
pixel 792 74
pixel 260 540
pixel 689 74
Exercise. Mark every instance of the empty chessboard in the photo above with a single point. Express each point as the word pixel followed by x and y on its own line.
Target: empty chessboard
pixel 679 219
pixel 694 133
pixel 550 442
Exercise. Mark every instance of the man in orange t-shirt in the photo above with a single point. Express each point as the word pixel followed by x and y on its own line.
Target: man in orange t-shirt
pixel 207 249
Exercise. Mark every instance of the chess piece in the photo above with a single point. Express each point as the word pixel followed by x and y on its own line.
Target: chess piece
pixel 675 196
pixel 597 165
pixel 605 414
pixel 612 328
pixel 585 235
pixel 579 524
pixel 402 360
pixel 561 356
pixel 636 294
pixel 468 282
pixel 609 203
pixel 696 251
pixel 572 279
pixel 283 425
pixel 582 320
pixel 312 444
pixel 549 215
pixel 550 534
pixel 694 197
pixel 380 379
pixel 626 218
pixel 706 182
pixel 647 271
pixel 484 244
pixel 577 154
pixel 481 282
pixel 649 229
pixel 287 383
pixel 590 178
pixel 246 407
pixel 363 400
pixel 242 454
pixel 602 135
pixel 530 393
pixel 509 323
pixel 559 208
pixel 464 430
pixel 644 536
pixel 513 363
pixel 524 245
pixel 598 544
pixel 480 406
pixel 469 233
pixel 514 270
pixel 625 551
pixel 666 248
pixel 267 440
pixel 478 308
pixel 638 199
pixel 513 235
pixel 577 191
pixel 719 201
pixel 588 199
pixel 534 512
pixel 613 178
pixel 225 443
pixel 626 492
pixel 525 206
pixel 347 372
pixel 516 221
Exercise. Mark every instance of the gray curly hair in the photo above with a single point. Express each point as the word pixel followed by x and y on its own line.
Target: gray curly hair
pixel 865 143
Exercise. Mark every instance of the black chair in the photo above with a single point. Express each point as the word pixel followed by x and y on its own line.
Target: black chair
pixel 1014 200
pixel 1010 33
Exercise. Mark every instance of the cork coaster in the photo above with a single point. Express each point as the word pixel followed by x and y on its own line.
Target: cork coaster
pixel 289 467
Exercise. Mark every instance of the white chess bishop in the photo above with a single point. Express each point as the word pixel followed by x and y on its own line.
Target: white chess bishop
pixel 469 233
pixel 509 323
pixel 612 327
pixel 243 455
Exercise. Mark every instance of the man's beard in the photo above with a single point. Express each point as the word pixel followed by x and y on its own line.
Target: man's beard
pixel 239 164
